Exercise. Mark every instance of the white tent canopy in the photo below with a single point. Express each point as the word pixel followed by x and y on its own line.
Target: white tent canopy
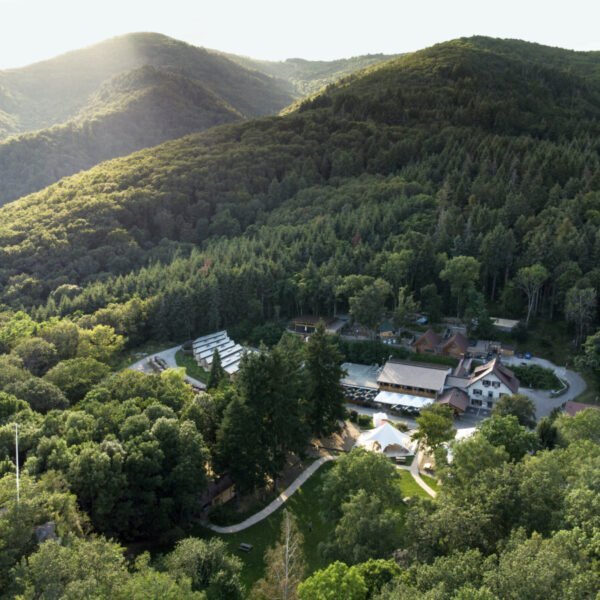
pixel 379 418
pixel 394 399
pixel 383 437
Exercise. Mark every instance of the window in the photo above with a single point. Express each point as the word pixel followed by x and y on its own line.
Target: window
pixel 496 384
pixel 490 404
pixel 486 383
pixel 475 402
pixel 490 394
pixel 477 393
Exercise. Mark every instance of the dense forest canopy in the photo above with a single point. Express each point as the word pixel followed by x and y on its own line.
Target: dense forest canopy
pixel 463 149
pixel 457 180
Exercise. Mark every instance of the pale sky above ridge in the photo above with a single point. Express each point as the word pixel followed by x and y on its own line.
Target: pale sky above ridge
pixel 33 30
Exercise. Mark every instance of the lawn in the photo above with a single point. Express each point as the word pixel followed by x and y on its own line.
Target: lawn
pixel 409 486
pixel 304 505
pixel 432 482
pixel 191 366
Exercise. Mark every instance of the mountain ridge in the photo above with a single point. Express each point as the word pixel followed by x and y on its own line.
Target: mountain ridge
pixel 475 129
pixel 75 100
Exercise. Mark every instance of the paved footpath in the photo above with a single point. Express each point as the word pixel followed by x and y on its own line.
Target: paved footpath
pixel 169 357
pixel 414 471
pixel 279 501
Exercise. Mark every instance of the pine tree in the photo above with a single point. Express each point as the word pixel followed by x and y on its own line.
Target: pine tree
pixel 285 564
pixel 325 397
pixel 217 373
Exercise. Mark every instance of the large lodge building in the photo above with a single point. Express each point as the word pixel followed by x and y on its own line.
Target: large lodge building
pixel 413 385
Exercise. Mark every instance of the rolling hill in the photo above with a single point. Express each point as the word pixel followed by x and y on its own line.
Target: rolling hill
pixel 136 110
pixel 309 76
pixel 459 149
pixel 69 113
pixel 56 90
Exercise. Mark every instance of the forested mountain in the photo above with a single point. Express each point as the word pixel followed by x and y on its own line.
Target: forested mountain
pixel 309 76
pixel 56 90
pixel 457 150
pixel 457 180
pixel 72 112
pixel 135 110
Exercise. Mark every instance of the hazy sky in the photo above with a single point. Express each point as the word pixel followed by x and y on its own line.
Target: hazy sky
pixel 32 30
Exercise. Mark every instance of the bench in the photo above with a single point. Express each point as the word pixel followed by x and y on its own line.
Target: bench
pixel 245 547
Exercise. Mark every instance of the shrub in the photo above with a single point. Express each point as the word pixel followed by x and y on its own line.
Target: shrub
pixel 365 422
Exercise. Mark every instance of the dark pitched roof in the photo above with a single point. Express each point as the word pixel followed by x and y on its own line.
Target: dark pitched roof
pixel 459 340
pixel 430 337
pixel 215 488
pixel 495 367
pixel 455 398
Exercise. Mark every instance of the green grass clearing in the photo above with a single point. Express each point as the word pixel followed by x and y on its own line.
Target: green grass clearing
pixel 305 505
pixel 591 395
pixel 191 366
pixel 432 482
pixel 409 486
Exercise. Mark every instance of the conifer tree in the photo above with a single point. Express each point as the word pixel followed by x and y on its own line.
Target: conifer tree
pixel 325 397
pixel 217 373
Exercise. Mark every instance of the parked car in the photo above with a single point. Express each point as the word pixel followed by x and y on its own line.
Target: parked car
pixel 528 356
pixel 519 355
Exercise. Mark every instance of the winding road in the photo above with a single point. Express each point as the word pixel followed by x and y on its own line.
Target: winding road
pixel 544 403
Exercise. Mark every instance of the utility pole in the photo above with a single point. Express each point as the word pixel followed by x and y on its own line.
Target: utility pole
pixel 17 458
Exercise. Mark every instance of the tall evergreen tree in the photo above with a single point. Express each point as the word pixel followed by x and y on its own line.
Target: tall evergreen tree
pixel 325 398
pixel 217 373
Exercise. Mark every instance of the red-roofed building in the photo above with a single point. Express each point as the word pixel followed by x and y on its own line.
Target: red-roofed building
pixel 572 408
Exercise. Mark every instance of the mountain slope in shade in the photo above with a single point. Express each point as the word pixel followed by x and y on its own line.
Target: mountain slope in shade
pixel 136 110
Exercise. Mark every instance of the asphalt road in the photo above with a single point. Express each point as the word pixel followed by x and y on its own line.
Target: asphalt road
pixel 544 403
pixel 143 365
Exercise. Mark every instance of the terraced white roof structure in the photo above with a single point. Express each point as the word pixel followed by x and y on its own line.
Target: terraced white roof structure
pixel 230 353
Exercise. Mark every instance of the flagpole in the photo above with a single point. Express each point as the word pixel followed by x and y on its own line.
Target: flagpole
pixel 17 458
